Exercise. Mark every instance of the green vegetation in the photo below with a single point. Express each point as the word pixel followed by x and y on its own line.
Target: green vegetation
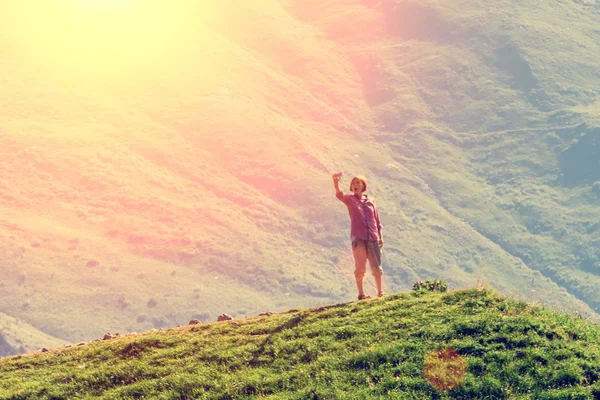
pixel 431 286
pixel 138 198
pixel 368 349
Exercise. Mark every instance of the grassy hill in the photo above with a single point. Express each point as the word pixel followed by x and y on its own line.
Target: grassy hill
pixel 163 163
pixel 471 344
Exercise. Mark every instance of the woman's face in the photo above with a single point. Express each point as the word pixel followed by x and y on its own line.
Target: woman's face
pixel 356 186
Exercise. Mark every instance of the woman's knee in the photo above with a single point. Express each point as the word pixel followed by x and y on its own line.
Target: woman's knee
pixel 359 274
pixel 360 269
pixel 377 272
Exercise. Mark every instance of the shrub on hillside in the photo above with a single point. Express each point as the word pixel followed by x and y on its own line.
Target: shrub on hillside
pixel 122 303
pixel 430 286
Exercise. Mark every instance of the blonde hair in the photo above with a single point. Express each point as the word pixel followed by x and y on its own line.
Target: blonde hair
pixel 362 179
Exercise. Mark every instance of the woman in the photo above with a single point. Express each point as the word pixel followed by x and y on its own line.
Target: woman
pixel 365 231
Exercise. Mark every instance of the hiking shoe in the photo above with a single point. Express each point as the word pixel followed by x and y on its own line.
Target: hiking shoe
pixel 382 294
pixel 363 296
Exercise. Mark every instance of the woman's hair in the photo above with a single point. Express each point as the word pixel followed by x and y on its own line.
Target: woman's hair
pixel 362 179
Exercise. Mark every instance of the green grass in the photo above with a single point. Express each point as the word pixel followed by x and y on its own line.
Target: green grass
pixel 203 183
pixel 368 349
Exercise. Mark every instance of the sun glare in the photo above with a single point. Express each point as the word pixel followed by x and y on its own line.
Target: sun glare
pixel 87 37
pixel 102 4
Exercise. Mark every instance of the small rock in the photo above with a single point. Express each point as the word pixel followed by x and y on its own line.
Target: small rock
pixel 195 322
pixel 224 317
pixel 265 314
pixel 108 336
pixel 81 343
pixel 45 350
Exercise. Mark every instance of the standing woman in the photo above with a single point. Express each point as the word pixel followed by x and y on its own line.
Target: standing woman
pixel 365 231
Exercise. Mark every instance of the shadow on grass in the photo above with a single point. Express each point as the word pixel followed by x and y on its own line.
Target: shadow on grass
pixel 292 323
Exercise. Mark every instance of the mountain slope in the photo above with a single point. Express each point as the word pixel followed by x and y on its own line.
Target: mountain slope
pixel 150 179
pixel 19 337
pixel 464 344
pixel 519 140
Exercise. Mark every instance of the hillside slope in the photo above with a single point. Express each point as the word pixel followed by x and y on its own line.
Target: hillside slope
pixel 19 337
pixel 150 179
pixel 464 344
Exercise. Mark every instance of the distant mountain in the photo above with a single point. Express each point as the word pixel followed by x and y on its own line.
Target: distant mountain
pixel 17 337
pixel 5 348
pixel 150 178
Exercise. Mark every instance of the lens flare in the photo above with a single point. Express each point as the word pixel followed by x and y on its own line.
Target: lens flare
pixel 445 369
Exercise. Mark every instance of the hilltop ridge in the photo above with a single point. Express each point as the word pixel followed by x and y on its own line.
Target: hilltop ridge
pixel 463 344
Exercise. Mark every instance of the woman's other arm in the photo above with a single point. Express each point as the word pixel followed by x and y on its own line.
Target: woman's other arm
pixel 379 227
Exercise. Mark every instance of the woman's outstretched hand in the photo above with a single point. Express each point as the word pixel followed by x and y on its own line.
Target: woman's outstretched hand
pixel 336 177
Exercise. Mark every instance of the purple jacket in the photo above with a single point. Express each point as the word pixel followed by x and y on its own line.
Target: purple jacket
pixel 364 218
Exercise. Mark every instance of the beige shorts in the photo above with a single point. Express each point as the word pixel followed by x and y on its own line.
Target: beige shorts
pixel 364 250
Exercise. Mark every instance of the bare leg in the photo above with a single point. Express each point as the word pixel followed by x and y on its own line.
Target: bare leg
pixel 375 269
pixel 360 266
pixel 378 283
pixel 359 283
